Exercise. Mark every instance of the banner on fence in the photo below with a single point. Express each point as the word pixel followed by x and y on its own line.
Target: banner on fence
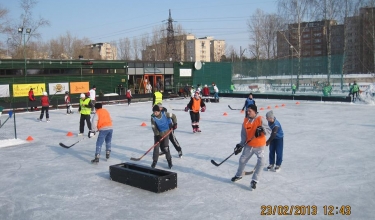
pixel 4 90
pixel 58 88
pixel 79 87
pixel 20 90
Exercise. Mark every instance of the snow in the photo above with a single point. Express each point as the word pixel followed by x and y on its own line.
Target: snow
pixel 328 160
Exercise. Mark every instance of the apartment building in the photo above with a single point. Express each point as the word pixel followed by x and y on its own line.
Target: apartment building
pixel 103 51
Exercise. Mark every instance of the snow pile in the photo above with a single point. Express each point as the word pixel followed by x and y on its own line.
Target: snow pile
pixel 368 95
pixel 11 142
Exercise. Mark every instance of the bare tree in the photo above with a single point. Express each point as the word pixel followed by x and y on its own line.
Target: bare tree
pixel 295 12
pixel 27 21
pixel 124 49
pixel 135 49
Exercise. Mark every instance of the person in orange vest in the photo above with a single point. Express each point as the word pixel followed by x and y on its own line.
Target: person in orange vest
pixel 129 96
pixel 102 122
pixel 45 106
pixel 195 105
pixel 253 141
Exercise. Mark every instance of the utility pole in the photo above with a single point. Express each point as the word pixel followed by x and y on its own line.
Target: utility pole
pixel 171 42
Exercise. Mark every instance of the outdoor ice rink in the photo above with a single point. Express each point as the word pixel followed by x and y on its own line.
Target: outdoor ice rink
pixel 328 161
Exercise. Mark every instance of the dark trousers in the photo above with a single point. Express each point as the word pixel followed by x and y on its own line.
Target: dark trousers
pixel 44 109
pixel 82 123
pixel 276 146
pixel 164 146
pixel 174 141
pixel 129 101
pixel 194 116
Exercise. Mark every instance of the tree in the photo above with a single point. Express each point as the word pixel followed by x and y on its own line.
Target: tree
pixel 26 21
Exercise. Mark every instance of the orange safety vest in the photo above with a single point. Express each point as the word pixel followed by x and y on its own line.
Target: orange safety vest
pixel 250 128
pixel 104 119
pixel 196 106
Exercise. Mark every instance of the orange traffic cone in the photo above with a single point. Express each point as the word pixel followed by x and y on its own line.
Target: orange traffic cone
pixel 283 105
pixel 29 138
pixel 297 103
pixel 276 106
pixel 268 107
pixel 225 114
pixel 143 124
pixel 69 134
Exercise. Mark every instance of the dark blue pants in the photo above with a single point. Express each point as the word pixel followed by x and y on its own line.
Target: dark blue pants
pixel 276 146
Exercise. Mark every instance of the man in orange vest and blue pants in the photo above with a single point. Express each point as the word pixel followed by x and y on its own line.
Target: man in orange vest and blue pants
pixel 253 141
pixel 101 122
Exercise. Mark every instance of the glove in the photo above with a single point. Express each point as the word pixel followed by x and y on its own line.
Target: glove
pixel 186 109
pixel 175 126
pixel 203 109
pixel 259 131
pixel 91 134
pixel 238 149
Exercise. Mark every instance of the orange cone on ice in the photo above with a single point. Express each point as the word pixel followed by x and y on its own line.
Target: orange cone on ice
pixel 143 124
pixel 69 134
pixel 225 114
pixel 29 138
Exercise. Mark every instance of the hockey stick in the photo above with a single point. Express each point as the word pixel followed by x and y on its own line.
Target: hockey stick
pixel 65 146
pixel 233 108
pixel 218 164
pixel 178 109
pixel 152 147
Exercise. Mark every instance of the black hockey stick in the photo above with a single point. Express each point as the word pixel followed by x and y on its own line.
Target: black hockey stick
pixel 218 164
pixel 65 146
pixel 152 147
pixel 233 108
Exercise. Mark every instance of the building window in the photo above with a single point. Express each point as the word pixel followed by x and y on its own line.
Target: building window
pixel 317 40
pixel 317 52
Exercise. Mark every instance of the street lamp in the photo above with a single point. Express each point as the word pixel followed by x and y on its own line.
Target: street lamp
pixel 291 61
pixel 28 31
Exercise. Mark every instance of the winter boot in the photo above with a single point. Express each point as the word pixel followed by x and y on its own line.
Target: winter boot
pixel 236 178
pixel 270 167
pixel 194 130
pixel 153 164
pixel 107 154
pixel 198 130
pixel 180 154
pixel 170 165
pixel 253 184
pixel 277 168
pixel 96 159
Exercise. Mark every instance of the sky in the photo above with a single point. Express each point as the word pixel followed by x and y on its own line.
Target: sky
pixel 105 21
pixel 328 161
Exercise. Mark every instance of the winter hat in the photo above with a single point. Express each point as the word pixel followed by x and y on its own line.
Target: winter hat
pixel 156 108
pixel 205 85
pixel 160 105
pixel 83 95
pixel 98 105
pixel 253 107
pixel 45 93
pixel 270 114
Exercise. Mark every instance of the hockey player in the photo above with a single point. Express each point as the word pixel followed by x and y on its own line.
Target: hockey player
pixel 249 101
pixel 157 98
pixel 206 93
pixel 85 110
pixel 172 137
pixel 253 141
pixel 67 103
pixel 102 122
pixel 129 96
pixel 32 100
pixel 275 141
pixel 161 124
pixel 92 95
pixel 45 106
pixel 195 105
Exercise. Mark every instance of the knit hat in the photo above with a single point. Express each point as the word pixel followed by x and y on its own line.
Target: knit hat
pixel 156 108
pixel 254 108
pixel 98 105
pixel 205 85
pixel 160 105
pixel 270 114
pixel 45 93
pixel 82 95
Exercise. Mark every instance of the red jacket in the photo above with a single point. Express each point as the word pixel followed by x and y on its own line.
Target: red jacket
pixel 31 95
pixel 44 100
pixel 206 91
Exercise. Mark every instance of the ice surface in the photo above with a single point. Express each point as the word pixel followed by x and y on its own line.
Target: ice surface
pixel 328 160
